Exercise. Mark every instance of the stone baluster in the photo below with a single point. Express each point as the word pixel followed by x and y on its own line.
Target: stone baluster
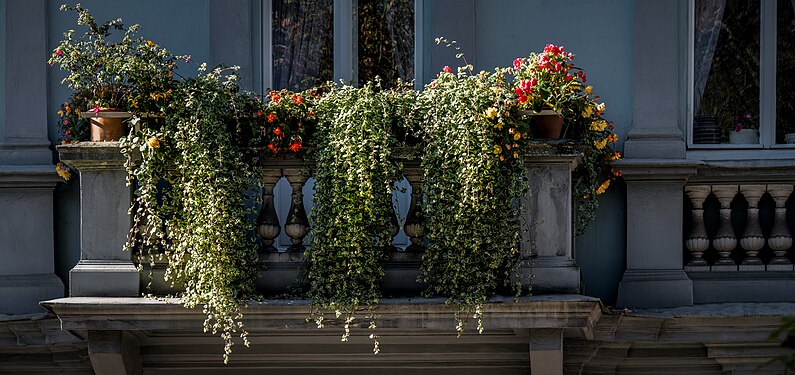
pixel 725 241
pixel 268 227
pixel 413 226
pixel 752 240
pixel 698 241
pixel 780 238
pixel 297 225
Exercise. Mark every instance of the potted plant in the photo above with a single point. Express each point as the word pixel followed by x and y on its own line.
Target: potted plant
pixel 545 83
pixel 112 79
pixel 744 131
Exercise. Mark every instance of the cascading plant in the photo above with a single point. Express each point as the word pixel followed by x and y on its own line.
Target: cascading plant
pixel 352 215
pixel 203 153
pixel 473 174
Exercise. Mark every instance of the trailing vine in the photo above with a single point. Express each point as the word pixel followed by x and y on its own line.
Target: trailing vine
pixel 474 171
pixel 351 219
pixel 199 221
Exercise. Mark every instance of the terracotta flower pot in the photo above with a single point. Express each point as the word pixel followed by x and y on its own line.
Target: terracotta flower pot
pixel 547 124
pixel 107 125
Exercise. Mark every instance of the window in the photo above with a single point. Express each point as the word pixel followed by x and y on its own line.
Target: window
pixel 310 42
pixel 305 43
pixel 741 91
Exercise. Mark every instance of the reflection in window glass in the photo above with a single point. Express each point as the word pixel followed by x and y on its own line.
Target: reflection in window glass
pixel 785 71
pixel 726 66
pixel 386 40
pixel 303 43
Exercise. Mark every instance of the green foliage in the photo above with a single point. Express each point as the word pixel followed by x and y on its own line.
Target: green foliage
pixel 131 73
pixel 199 221
pixel 355 172
pixel 470 186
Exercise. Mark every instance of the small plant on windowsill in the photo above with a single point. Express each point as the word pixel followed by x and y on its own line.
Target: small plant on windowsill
pixel 745 129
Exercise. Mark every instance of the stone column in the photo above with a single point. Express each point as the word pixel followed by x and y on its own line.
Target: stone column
pixel 547 248
pixel 546 351
pixel 698 241
pixel 655 168
pixel 104 269
pixel 752 240
pixel 725 240
pixel 27 175
pixel 780 238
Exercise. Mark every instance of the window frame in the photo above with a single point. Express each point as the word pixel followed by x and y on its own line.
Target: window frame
pixel 346 30
pixel 766 148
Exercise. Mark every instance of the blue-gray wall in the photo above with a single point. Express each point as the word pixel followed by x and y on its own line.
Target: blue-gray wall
pixel 181 26
pixel 2 65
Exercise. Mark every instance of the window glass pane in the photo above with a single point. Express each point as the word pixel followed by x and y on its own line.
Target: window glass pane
pixel 726 67
pixel 303 43
pixel 386 40
pixel 785 72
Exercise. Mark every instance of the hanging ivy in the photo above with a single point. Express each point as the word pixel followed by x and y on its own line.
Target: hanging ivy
pixel 474 172
pixel 352 215
pixel 198 220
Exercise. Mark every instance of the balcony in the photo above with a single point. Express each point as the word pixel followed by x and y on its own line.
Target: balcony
pixel 546 250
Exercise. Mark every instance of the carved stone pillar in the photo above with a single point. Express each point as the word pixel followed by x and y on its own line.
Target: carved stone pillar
pixel 547 247
pixel 297 225
pixel 104 269
pixel 752 240
pixel 780 238
pixel 698 241
pixel 268 227
pixel 725 241
pixel 413 226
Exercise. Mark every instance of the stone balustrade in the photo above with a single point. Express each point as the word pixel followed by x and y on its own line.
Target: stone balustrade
pixel 547 248
pixel 741 241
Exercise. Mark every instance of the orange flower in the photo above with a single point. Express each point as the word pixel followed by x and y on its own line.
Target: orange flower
pixel 272 148
pixel 278 132
pixel 271 117
pixel 274 96
pixel 296 146
pixel 603 187
pixel 297 99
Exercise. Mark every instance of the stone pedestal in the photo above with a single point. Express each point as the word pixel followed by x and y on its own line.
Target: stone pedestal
pixel 654 275
pixel 547 247
pixel 104 269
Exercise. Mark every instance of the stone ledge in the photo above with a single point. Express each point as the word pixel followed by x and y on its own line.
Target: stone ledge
pixel 573 312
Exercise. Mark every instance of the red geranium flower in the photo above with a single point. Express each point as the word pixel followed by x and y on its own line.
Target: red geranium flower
pixel 271 117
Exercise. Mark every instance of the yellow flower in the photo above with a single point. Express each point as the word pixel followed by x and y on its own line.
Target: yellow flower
pixel 516 136
pixel 587 112
pixel 612 138
pixel 600 144
pixel 490 113
pixel 497 149
pixel 502 158
pixel 598 125
pixel 150 44
pixel 603 187
pixel 60 113
pixel 498 126
pixel 507 147
pixel 63 171
pixel 614 156
pixel 153 142
pixel 600 107
pixel 515 154
pixel 588 89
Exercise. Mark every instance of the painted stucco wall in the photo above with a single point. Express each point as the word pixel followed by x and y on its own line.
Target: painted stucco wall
pixel 181 26
pixel 600 33
pixel 2 65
